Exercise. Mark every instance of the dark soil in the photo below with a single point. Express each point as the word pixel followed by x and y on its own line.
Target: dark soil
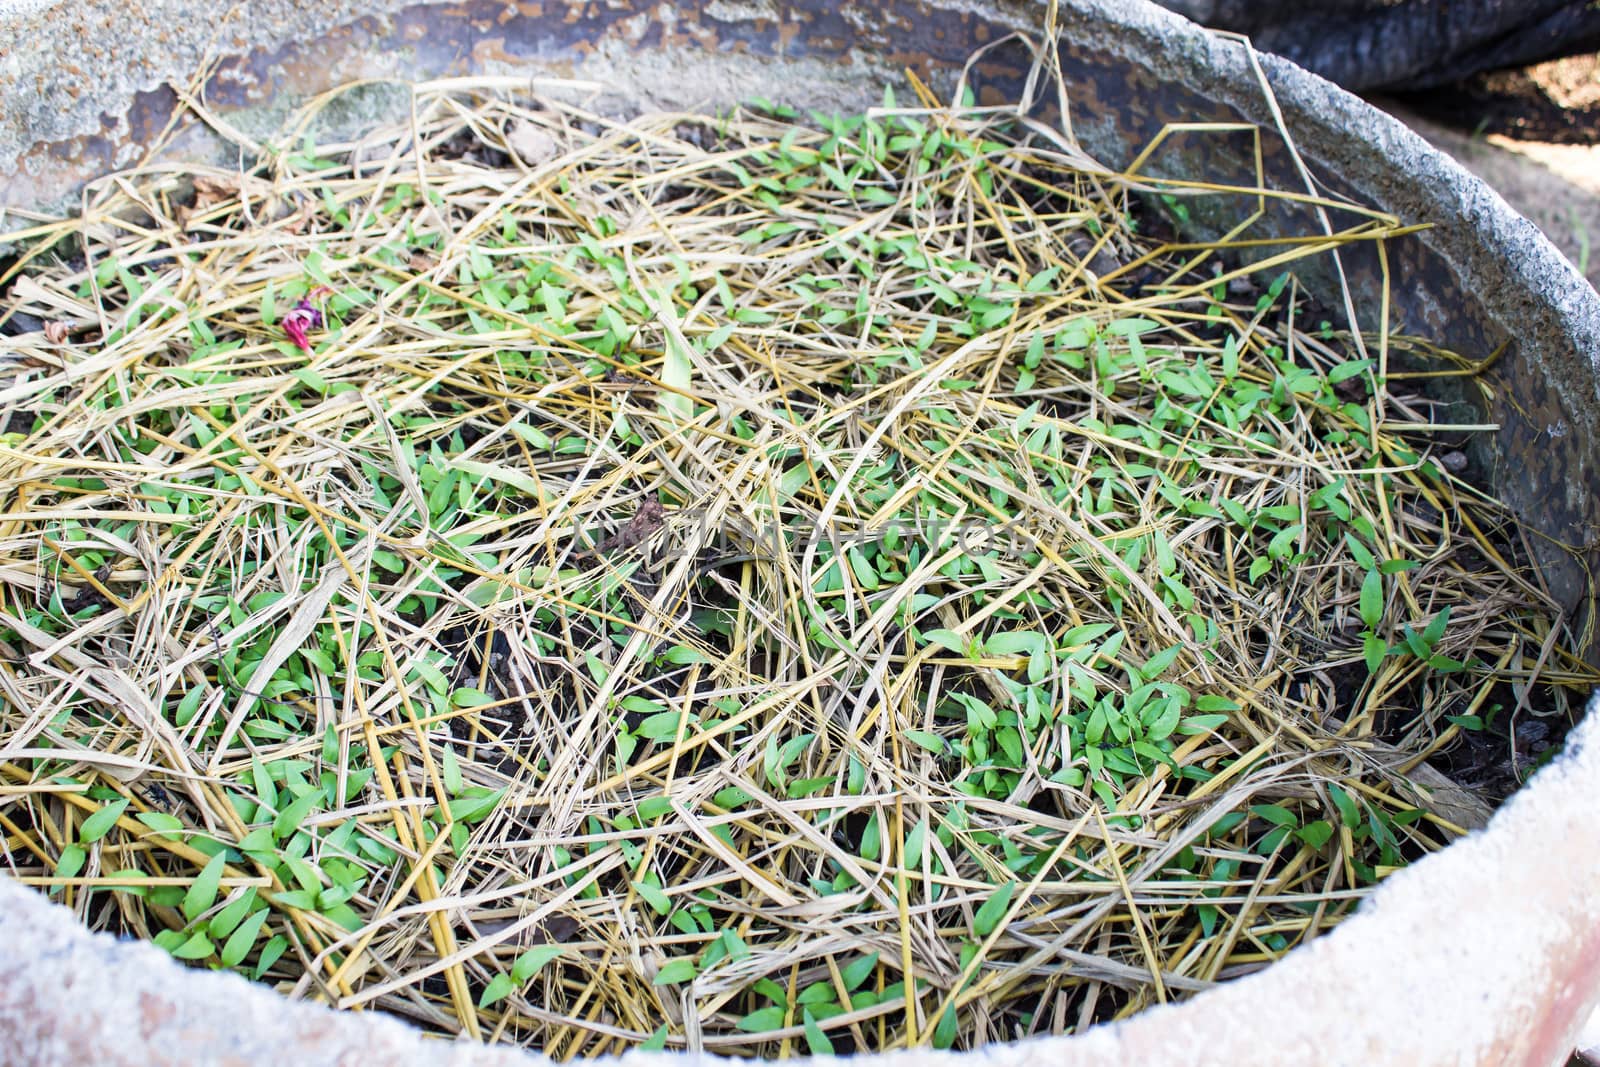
pixel 1555 103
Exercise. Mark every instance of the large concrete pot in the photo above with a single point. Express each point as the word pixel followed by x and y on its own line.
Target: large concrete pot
pixel 1487 953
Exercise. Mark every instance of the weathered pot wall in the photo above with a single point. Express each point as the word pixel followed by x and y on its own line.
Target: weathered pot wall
pixel 1484 954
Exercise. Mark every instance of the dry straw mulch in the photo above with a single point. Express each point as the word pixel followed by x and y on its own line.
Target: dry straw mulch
pixel 753 582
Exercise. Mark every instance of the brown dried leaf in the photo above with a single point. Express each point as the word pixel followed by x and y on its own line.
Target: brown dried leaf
pixel 210 191
pixel 55 332
pixel 556 930
pixel 422 263
pixel 296 223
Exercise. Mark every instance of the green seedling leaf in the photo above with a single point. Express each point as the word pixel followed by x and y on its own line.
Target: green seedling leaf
pixel 816 1040
pixel 1040 282
pixel 993 910
pixel 71 861
pixel 243 938
pixel 1434 631
pixel 677 365
pixel 1359 553
pixel 1283 541
pixel 472 808
pixel 1349 813
pixel 1230 357
pixel 1082 635
pixel 779 758
pixel 535 437
pixel 652 808
pixel 499 987
pixel 816 993
pixel 100 823
pixel 1373 650
pixel 1165 721
pixel 734 944
pixel 450 769
pixel 275 948
pixel 855 973
pixel 804 787
pixel 188 707
pixel 1275 814
pixel 863 570
pixel 258 840
pixel 793 480
pixel 290 818
pixel 1199 724
pixel 1372 600
pixel 1014 642
pixel 947 639
pixel 203 892
pixel 266 791
pixel 1133 327
pixel 762 1019
pixel 916 844
pixel 1158 663
pixel 132 873
pixel 676 972
pixel 533 961
pixel 653 896
pixel 1094 731
pixel 923 739
pixel 1348 370
pixel 1151 752
pixel 663 726
pixel 198 947
pixel 470 698
pixel 225 921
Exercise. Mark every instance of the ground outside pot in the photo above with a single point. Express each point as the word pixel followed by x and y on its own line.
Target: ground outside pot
pixel 1487 953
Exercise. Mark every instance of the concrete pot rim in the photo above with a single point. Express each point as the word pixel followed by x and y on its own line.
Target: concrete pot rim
pixel 1389 985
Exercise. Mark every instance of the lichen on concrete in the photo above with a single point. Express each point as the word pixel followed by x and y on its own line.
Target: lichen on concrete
pixel 70 67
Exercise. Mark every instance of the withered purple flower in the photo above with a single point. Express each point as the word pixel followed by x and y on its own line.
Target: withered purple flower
pixel 303 318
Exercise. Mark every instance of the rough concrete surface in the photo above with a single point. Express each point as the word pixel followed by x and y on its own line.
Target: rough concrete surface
pixel 67 67
pixel 1488 953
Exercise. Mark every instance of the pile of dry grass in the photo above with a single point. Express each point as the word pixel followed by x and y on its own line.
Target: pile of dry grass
pixel 749 583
